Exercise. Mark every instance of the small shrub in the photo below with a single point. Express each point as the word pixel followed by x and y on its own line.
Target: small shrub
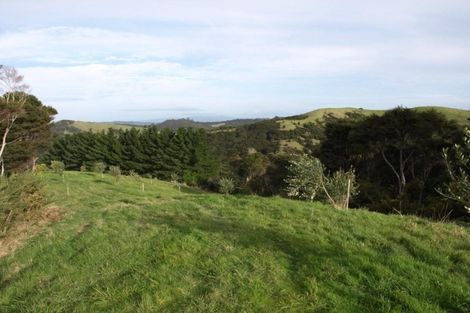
pixel 58 167
pixel 83 168
pixel 115 171
pixel 135 175
pixel 176 180
pixel 307 180
pixel 20 196
pixel 226 186
pixel 99 168
pixel 41 168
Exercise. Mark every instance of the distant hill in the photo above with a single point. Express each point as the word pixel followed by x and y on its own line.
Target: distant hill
pixel 178 123
pixel 288 123
pixel 71 127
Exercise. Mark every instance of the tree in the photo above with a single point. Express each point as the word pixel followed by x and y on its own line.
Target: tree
pixel 397 156
pixel 307 180
pixel 32 136
pixel 458 165
pixel 12 102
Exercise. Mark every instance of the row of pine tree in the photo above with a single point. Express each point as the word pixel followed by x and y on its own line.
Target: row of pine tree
pixel 160 153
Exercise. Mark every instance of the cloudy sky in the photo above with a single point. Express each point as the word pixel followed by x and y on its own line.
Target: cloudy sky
pixel 103 60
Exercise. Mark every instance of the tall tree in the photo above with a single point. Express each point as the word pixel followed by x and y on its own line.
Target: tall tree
pixel 12 101
pixel 32 135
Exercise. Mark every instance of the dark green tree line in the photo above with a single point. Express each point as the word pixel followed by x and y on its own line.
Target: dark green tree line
pixel 152 151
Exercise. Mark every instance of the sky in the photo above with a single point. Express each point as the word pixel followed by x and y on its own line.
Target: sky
pixel 108 60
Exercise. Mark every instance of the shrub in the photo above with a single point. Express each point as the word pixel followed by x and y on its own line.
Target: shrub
pixel 176 180
pixel 58 167
pixel 135 175
pixel 115 171
pixel 341 187
pixel 226 186
pixel 83 168
pixel 307 180
pixel 40 168
pixel 458 169
pixel 20 195
pixel 99 168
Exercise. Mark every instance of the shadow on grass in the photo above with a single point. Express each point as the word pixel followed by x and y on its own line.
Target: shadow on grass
pixel 306 258
pixel 345 273
pixel 102 181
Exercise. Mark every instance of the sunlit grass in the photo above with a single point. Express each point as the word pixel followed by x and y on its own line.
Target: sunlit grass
pixel 119 249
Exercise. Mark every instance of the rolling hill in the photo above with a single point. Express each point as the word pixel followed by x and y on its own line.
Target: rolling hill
pixel 286 123
pixel 120 249
pixel 461 116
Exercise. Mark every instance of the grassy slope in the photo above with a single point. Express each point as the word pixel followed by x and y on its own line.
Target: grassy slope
pixel 461 116
pixel 98 127
pixel 123 250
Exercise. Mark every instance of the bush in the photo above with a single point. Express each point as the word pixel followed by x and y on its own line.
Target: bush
pixel 58 167
pixel 226 186
pixel 20 195
pixel 115 171
pixel 99 168
pixel 135 175
pixel 307 180
pixel 341 188
pixel 41 168
pixel 83 168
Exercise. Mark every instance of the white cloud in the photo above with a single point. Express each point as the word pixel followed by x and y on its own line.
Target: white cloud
pixel 226 57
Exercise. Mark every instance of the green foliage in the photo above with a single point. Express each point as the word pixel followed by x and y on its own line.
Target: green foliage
pixel 161 250
pixel 40 168
pixel 30 136
pixel 307 180
pixel 57 167
pixel 151 151
pixel 115 171
pixel 226 185
pixel 458 166
pixel 341 187
pixel 20 195
pixel 397 156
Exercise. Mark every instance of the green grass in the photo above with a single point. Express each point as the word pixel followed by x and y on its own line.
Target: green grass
pixel 461 116
pixel 119 249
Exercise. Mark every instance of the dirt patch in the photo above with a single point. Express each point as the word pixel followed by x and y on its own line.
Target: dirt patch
pixel 22 230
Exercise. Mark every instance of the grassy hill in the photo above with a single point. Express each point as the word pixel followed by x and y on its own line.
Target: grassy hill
pixel 289 123
pixel 121 249
pixel 71 127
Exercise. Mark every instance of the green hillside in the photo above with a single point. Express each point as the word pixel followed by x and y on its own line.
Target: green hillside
pixel 289 123
pixel 71 127
pixel 120 249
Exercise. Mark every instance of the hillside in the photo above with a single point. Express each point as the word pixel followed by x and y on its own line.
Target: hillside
pixel 71 127
pixel 286 123
pixel 289 123
pixel 119 249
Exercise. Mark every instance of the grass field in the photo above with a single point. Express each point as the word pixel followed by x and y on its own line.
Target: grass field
pixel 98 127
pixel 120 249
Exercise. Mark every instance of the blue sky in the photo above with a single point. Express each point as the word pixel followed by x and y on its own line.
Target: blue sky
pixel 141 60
